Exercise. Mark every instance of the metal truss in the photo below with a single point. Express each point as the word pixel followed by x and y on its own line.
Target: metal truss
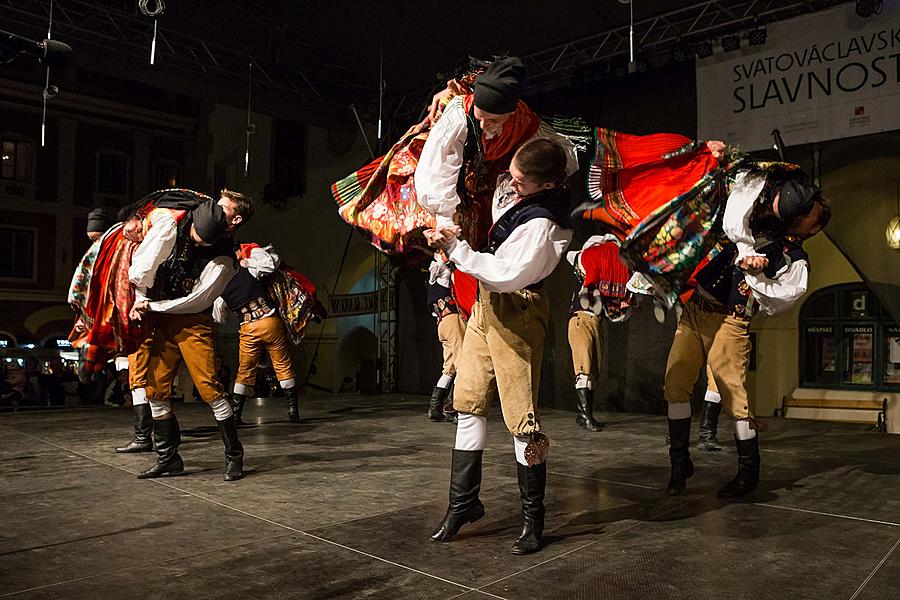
pixel 387 324
pixel 555 66
pixel 117 25
pixel 701 20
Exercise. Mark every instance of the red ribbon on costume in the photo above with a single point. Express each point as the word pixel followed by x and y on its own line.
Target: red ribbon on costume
pixel 464 289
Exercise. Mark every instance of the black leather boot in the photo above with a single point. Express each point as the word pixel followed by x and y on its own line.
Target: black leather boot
pixel 167 436
pixel 465 483
pixel 293 405
pixel 143 430
pixel 436 406
pixel 449 411
pixel 585 418
pixel 747 477
pixel 238 400
pixel 532 483
pixel 234 451
pixel 679 455
pixel 709 426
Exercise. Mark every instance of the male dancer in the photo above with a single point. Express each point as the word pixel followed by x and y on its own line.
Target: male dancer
pixel 504 338
pixel 601 290
pixel 261 328
pixel 451 327
pixel 160 235
pixel 768 216
pixel 184 282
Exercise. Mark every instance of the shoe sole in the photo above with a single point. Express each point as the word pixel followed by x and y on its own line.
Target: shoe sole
pixel 452 537
pixel 171 473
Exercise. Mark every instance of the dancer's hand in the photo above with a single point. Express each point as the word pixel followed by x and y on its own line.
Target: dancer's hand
pixel 717 148
pixel 133 231
pixel 441 237
pixel 439 100
pixel 138 310
pixel 753 264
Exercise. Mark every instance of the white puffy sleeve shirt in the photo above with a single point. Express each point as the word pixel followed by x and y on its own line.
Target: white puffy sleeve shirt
pixel 779 293
pixel 442 157
pixel 210 285
pixel 261 262
pixel 152 251
pixel 736 220
pixel 528 255
pixel 437 172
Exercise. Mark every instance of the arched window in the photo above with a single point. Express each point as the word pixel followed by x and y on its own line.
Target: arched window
pixel 848 341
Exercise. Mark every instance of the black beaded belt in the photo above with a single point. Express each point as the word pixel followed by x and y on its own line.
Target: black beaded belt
pixel 254 310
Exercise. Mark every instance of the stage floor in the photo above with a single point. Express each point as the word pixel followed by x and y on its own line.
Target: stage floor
pixel 341 506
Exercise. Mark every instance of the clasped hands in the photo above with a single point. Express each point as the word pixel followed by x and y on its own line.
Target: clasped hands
pixel 442 237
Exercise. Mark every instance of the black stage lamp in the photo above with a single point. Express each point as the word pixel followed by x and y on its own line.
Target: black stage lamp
pixel 867 8
pixel 757 37
pixel 704 49
pixel 730 43
pixel 680 53
pixel 778 143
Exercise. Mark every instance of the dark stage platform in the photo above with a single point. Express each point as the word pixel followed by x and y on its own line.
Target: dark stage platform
pixel 341 506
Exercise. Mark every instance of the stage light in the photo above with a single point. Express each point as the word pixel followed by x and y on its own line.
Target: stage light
pixel 892 233
pixel 680 54
pixel 867 8
pixel 731 43
pixel 704 49
pixel 778 143
pixel 757 37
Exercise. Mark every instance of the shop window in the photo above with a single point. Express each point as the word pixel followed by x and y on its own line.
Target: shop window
pixel 16 160
pixel 847 341
pixel 17 253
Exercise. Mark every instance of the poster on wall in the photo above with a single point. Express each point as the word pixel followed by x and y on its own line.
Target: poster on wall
pixel 859 340
pixel 824 76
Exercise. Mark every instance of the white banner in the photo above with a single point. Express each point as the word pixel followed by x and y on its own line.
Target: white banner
pixel 823 76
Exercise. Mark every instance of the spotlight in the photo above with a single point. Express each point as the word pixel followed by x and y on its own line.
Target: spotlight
pixel 867 8
pixel 680 54
pixel 757 37
pixel 704 49
pixel 731 43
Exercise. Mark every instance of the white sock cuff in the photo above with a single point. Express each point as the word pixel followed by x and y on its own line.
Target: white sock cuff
pixel 742 430
pixel 160 408
pixel 445 381
pixel 243 390
pixel 679 410
pixel 712 396
pixel 221 408
pixel 583 381
pixel 139 396
pixel 520 442
pixel 287 383
pixel 471 432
